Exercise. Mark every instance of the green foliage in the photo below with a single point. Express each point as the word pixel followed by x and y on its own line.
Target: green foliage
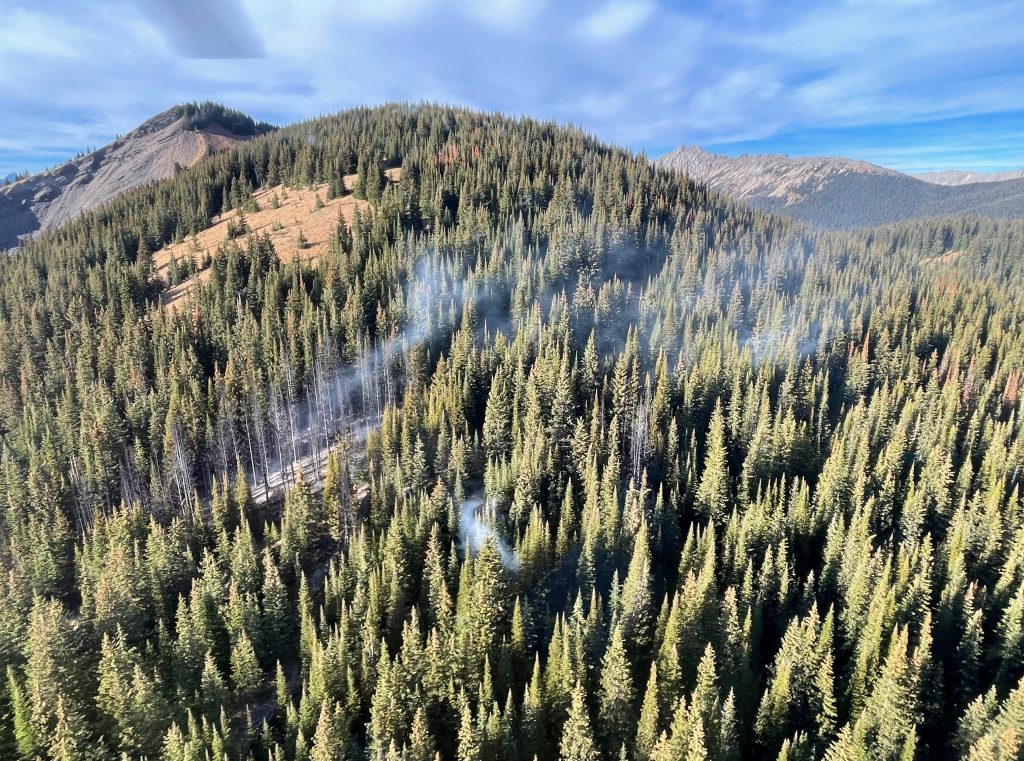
pixel 551 455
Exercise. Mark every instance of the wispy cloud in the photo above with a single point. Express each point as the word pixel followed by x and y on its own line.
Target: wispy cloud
pixel 782 75
pixel 28 33
pixel 508 15
pixel 388 11
pixel 616 19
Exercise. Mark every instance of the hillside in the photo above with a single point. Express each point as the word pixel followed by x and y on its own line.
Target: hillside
pixel 299 223
pixel 531 450
pixel 837 193
pixel 155 150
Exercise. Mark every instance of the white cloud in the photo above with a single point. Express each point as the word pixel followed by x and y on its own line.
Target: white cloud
pixel 503 14
pixel 29 32
pixel 602 104
pixel 645 73
pixel 616 20
pixel 392 11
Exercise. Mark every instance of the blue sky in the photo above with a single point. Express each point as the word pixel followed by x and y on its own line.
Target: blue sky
pixel 910 84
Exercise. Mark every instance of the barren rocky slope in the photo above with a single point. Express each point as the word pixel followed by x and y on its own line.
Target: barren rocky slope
pixel 841 193
pixel 955 177
pixel 178 137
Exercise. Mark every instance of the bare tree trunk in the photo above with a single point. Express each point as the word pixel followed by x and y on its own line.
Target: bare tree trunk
pixel 248 444
pixel 260 428
pixel 233 431
pixel 83 501
pixel 291 414
pixel 364 375
pixel 133 489
pixel 280 432
pixel 221 464
pixel 182 465
pixel 640 440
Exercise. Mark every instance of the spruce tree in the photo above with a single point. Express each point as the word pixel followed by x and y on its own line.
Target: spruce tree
pixel 713 493
pixel 577 743
pixel 615 696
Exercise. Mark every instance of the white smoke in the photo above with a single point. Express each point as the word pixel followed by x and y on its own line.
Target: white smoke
pixel 475 528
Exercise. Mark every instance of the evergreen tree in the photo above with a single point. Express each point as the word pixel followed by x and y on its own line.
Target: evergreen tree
pixel 577 742
pixel 713 493
pixel 615 697
pixel 768 473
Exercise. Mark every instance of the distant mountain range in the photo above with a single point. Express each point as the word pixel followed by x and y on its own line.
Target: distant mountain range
pixel 843 193
pixel 178 137
pixel 956 177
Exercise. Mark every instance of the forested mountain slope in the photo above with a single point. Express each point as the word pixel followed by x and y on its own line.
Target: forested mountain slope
pixel 837 193
pixel 612 468
pixel 178 137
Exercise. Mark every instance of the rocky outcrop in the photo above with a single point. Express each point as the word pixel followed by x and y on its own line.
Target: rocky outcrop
pixel 955 177
pixel 178 137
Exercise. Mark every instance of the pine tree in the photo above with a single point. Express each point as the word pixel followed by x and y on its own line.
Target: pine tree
pixel 577 742
pixel 497 418
pixel 637 603
pixel 25 741
pixel 329 740
pixel 615 697
pixel 246 674
pixel 713 493
pixel 421 743
pixel 469 739
pixel 213 692
pixel 69 741
pixel 648 728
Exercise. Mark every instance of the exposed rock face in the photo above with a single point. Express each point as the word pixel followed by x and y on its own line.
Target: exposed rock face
pixel 841 193
pixel 766 174
pixel 152 151
pixel 954 177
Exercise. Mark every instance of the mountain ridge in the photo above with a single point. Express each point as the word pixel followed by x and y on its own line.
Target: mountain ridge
pixel 176 138
pixel 835 192
pixel 960 177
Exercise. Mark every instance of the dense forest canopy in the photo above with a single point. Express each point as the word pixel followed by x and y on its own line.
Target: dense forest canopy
pixel 552 455
pixel 202 115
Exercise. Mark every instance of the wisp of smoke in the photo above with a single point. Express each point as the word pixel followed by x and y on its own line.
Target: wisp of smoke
pixel 474 530
pixel 347 400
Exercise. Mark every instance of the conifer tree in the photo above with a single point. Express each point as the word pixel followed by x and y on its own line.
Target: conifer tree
pixel 615 697
pixel 577 742
pixel 69 741
pixel 246 674
pixel 712 498
pixel 637 613
pixel 769 474
pixel 648 727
